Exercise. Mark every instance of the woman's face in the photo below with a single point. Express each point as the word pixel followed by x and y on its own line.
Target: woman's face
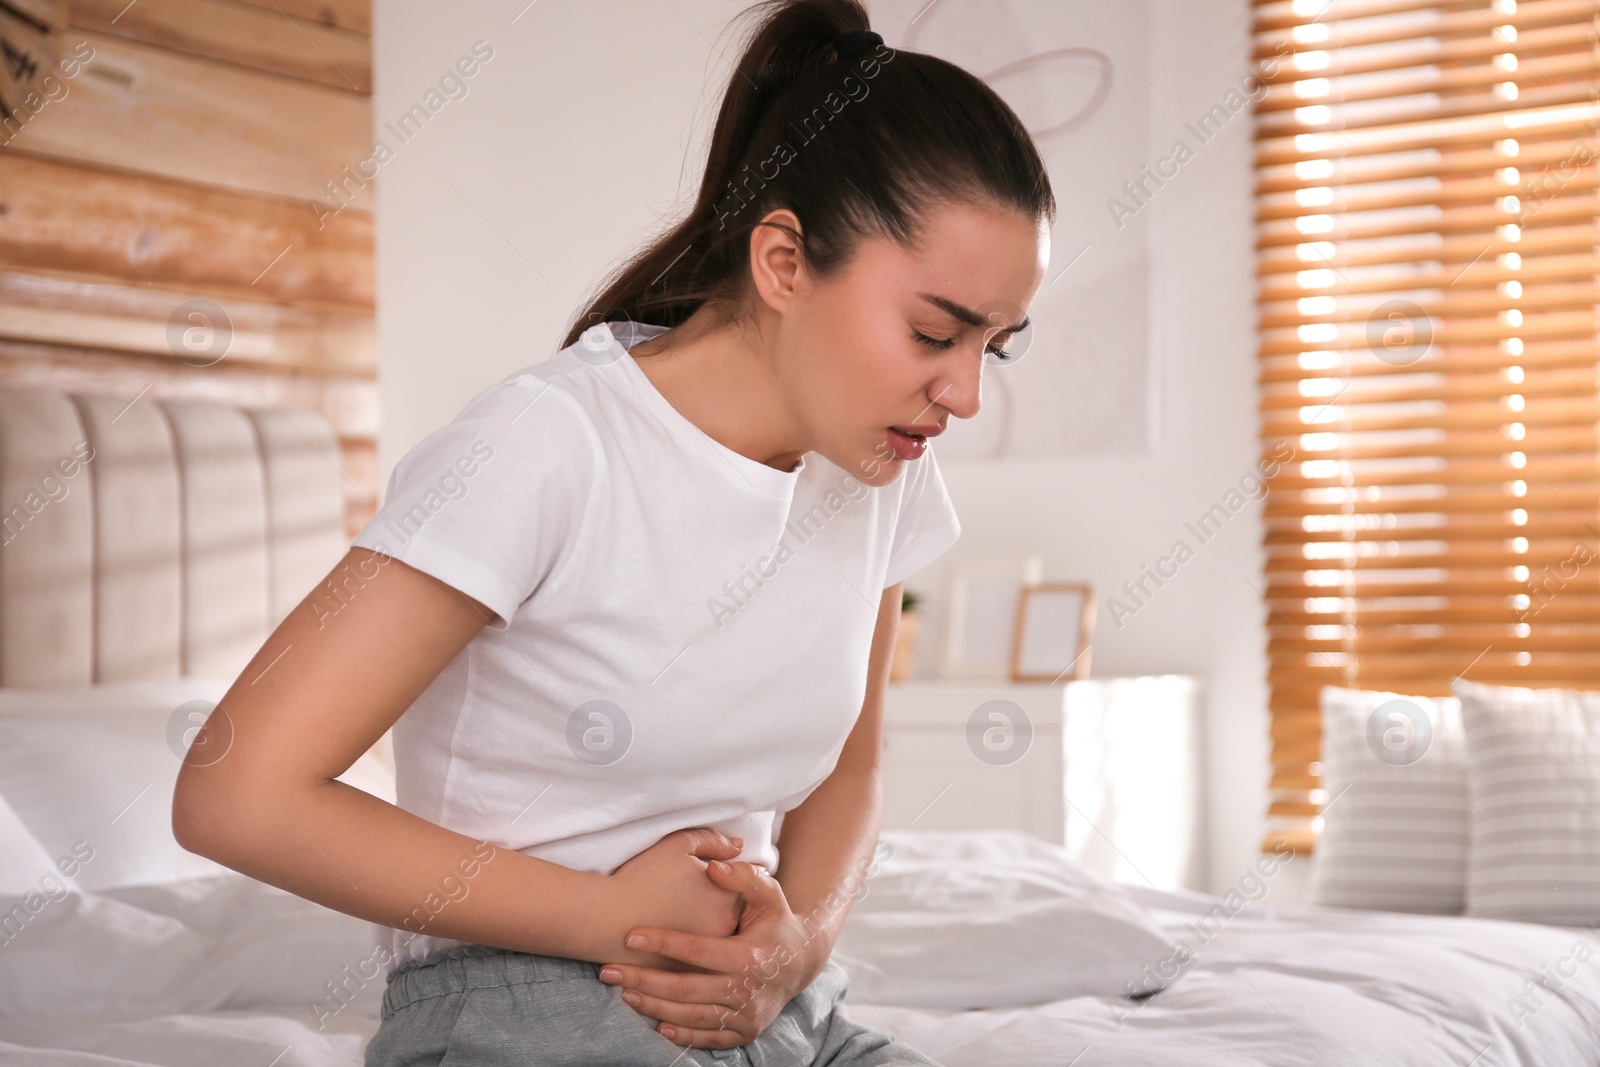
pixel 855 363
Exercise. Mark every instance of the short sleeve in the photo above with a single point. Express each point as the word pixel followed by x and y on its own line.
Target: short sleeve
pixel 926 526
pixel 491 503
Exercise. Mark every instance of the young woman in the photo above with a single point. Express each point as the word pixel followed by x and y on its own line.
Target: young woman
pixel 631 613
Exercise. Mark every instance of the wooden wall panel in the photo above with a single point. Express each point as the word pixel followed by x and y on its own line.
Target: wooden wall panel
pixel 249 36
pixel 345 14
pixel 134 228
pixel 47 14
pixel 140 108
pixel 77 311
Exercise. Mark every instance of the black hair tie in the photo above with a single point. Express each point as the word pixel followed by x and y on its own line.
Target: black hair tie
pixel 852 41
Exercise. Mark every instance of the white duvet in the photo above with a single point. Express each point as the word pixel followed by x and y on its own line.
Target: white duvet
pixel 1290 985
pixel 222 970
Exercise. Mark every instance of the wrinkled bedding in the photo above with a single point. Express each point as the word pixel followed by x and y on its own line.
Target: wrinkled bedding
pixel 226 970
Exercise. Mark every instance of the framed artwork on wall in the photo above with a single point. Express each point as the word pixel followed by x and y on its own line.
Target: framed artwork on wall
pixel 1054 628
pixel 980 627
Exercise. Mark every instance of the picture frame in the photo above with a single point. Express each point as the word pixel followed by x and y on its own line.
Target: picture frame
pixel 980 627
pixel 1054 631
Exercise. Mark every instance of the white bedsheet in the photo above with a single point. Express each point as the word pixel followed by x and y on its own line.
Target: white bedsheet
pixel 1275 986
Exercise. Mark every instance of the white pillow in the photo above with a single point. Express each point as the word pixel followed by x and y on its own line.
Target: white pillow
pixel 89 773
pixel 1395 833
pixel 1534 757
pixel 945 907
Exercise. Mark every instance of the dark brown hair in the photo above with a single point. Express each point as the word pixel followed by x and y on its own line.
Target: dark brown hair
pixel 862 145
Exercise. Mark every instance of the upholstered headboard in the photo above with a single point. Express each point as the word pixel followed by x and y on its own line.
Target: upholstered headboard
pixel 152 539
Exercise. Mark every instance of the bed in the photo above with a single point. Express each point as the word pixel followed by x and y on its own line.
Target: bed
pixel 138 584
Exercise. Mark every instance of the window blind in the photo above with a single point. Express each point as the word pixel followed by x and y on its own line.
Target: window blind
pixel 1426 251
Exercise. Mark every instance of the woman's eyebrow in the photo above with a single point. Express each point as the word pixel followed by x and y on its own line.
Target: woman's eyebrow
pixel 967 315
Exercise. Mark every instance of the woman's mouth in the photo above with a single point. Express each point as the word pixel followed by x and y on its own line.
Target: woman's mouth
pixel 906 446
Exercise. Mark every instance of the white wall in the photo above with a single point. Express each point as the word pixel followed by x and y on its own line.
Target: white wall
pixel 580 134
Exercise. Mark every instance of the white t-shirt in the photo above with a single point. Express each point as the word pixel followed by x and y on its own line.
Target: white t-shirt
pixel 682 633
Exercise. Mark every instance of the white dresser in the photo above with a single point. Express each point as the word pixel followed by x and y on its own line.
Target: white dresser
pixel 1108 767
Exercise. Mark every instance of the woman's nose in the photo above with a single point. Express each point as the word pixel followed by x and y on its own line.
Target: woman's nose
pixel 960 390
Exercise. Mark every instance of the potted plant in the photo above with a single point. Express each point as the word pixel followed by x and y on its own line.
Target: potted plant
pixel 905 642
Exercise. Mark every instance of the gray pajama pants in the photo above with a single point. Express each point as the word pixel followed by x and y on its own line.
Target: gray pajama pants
pixel 477 1006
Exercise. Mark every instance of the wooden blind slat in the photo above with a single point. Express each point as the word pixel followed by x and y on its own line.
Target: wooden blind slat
pixel 1356 171
pixel 1381 49
pixel 1290 96
pixel 1347 25
pixel 1364 501
pixel 1351 199
pixel 1281 14
pixel 1424 107
pixel 1466 253
pixel 1465 132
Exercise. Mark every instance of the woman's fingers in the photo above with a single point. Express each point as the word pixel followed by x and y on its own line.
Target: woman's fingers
pixel 697 1014
pixel 708 844
pixel 693 1014
pixel 752 881
pixel 715 991
pixel 691 1038
pixel 692 1025
pixel 722 955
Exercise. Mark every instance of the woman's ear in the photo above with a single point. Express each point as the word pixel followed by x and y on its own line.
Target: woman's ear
pixel 777 260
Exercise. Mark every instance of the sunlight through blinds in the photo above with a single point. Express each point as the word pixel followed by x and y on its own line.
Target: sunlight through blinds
pixel 1426 258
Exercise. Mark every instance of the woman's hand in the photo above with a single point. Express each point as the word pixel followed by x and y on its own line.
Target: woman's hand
pixel 666 885
pixel 748 977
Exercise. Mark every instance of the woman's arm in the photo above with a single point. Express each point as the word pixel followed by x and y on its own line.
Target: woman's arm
pixel 827 842
pixel 257 791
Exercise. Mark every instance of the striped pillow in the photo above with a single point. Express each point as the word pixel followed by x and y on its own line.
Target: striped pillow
pixel 1534 762
pixel 1394 828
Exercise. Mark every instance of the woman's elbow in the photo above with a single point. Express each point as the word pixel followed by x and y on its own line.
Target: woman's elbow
pixel 189 823
pixel 205 814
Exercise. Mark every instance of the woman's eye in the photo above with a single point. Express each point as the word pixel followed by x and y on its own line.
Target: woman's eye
pixel 1000 355
pixel 932 342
